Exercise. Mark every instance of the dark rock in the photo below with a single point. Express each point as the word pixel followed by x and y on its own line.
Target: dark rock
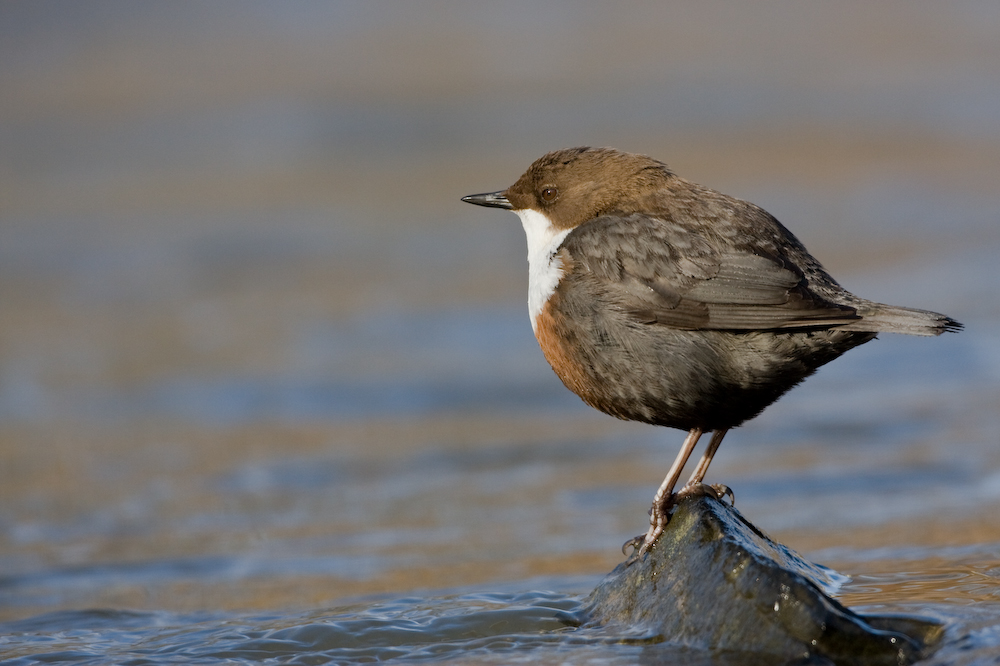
pixel 714 581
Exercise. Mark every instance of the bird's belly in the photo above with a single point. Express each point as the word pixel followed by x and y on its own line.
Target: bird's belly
pixel 675 378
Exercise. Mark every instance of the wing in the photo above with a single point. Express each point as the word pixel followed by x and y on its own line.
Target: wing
pixel 662 273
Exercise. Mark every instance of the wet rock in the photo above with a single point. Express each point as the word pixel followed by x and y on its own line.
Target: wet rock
pixel 714 581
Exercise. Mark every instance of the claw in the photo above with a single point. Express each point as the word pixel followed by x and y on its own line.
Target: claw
pixel 723 490
pixel 632 543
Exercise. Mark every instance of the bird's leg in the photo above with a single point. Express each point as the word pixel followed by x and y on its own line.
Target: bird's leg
pixel 695 482
pixel 658 513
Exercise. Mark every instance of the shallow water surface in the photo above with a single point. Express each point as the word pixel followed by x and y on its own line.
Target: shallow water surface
pixel 461 627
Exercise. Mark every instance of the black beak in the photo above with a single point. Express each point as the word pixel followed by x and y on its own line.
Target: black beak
pixel 490 200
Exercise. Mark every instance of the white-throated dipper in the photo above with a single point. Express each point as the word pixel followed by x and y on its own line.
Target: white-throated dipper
pixel 658 300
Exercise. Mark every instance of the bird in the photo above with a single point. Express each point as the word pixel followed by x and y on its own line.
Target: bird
pixel 659 300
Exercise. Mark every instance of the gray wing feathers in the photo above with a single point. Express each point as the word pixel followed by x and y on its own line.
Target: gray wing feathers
pixel 661 273
pixel 746 279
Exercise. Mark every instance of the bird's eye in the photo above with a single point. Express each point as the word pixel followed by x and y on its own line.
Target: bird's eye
pixel 549 194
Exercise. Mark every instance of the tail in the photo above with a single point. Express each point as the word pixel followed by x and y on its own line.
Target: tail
pixel 878 318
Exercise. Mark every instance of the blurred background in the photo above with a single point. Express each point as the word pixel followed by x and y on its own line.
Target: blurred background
pixel 256 354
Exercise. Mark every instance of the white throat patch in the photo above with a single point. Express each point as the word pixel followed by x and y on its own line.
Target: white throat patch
pixel 544 267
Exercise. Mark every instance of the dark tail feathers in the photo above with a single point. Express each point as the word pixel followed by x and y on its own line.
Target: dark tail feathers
pixel 878 318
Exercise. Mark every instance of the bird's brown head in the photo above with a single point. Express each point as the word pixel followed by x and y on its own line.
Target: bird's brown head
pixel 574 185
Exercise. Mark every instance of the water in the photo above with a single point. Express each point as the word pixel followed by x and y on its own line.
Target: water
pixel 268 390
pixel 471 627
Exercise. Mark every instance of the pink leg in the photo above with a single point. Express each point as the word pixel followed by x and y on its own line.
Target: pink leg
pixel 699 472
pixel 658 513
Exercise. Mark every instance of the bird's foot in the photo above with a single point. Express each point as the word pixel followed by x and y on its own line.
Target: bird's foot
pixel 659 516
pixel 716 490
